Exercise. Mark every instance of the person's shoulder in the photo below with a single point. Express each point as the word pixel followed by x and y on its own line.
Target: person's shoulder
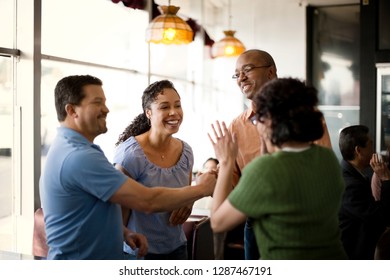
pixel 320 149
pixel 83 158
pixel 349 172
pixel 242 116
pixel 187 149
pixel 187 152
pixel 240 120
pixel 239 117
pixel 130 153
pixel 131 145
pixel 186 146
pixel 264 167
pixel 266 161
pixel 85 153
pixel 129 142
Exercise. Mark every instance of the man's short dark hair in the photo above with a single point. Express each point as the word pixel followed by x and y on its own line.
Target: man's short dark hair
pixel 350 137
pixel 69 90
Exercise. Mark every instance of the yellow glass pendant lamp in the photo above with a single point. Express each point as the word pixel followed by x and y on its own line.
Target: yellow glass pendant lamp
pixel 229 45
pixel 168 28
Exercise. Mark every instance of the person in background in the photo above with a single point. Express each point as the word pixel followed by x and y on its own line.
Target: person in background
pixel 376 183
pixel 253 69
pixel 211 164
pixel 293 194
pixel 382 249
pixel 362 219
pixel 81 191
pixel 147 152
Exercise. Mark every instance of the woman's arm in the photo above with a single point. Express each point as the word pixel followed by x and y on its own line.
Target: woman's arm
pixel 224 216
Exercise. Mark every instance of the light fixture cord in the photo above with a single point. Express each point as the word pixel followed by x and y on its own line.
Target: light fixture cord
pixel 230 15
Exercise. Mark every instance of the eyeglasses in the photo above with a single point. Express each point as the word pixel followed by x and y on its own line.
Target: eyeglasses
pixel 247 69
pixel 253 120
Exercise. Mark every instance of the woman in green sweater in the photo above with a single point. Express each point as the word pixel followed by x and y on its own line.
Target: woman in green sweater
pixel 294 192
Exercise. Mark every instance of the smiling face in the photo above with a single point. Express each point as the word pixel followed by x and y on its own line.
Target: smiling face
pixel 89 117
pixel 252 81
pixel 166 113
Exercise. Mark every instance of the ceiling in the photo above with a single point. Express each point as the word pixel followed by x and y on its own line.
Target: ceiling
pixel 220 3
pixel 186 7
pixel 328 2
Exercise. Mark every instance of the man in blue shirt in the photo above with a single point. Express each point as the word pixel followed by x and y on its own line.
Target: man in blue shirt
pixel 81 191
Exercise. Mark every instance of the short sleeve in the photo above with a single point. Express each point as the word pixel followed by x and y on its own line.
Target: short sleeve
pixel 130 156
pixel 187 159
pixel 247 194
pixel 95 174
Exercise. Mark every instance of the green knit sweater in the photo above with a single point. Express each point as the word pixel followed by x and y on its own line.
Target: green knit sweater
pixel 294 198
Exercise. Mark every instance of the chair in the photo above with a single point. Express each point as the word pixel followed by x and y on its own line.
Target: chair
pixel 39 246
pixel 199 239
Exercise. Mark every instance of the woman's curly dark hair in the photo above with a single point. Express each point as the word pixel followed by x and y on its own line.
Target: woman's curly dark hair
pixel 291 106
pixel 141 123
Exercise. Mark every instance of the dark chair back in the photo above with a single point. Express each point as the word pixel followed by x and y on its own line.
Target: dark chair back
pixel 199 239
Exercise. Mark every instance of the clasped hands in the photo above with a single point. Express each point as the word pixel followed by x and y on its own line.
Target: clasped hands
pixel 380 167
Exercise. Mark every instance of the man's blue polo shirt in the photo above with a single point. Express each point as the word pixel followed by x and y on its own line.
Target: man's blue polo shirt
pixel 75 187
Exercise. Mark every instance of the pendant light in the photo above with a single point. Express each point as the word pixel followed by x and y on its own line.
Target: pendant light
pixel 168 28
pixel 229 45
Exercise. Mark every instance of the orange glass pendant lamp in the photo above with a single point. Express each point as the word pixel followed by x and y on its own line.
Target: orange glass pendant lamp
pixel 168 28
pixel 229 45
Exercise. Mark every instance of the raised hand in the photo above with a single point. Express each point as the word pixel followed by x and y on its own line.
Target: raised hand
pixel 380 167
pixel 225 146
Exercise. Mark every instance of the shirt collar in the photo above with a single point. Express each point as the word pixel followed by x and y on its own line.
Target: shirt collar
pixel 249 113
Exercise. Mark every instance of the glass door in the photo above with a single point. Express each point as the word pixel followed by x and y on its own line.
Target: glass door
pixel 383 108
pixel 7 154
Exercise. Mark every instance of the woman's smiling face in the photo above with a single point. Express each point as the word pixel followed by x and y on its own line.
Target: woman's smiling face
pixel 165 112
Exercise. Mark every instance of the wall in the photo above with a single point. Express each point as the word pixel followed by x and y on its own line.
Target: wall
pixel 276 26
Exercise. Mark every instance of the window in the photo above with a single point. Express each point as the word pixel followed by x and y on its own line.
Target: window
pixel 335 65
pixel 6 23
pixel 110 45
pixel 6 153
pixel 123 90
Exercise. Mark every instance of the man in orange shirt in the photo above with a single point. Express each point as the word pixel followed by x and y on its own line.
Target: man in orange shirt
pixel 253 69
